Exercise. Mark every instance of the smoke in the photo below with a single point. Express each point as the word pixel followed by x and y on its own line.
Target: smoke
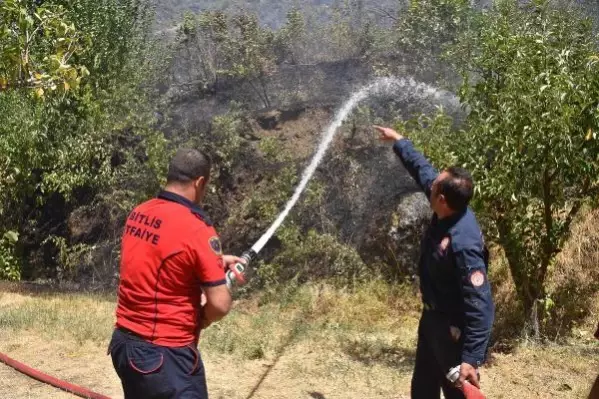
pixel 403 88
pixel 273 13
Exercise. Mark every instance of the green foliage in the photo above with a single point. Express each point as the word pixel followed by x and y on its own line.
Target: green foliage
pixel 290 39
pixel 434 135
pixel 223 141
pixel 37 46
pixel 426 29
pixel 312 256
pixel 226 132
pixel 530 85
pixel 354 32
pixel 68 256
pixel 120 50
pixel 9 262
pixel 91 139
pixel 236 49
pixel 532 134
pixel 239 47
pixel 67 142
pixel 43 151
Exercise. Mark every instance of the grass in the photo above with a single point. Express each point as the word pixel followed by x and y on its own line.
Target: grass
pixel 79 317
pixel 255 328
pixel 322 341
pixel 291 342
pixel 312 312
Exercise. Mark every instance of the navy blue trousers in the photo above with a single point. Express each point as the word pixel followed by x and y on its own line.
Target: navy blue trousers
pixel 149 371
pixel 436 353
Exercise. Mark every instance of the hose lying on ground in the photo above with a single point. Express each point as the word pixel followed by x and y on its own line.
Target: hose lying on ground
pixel 38 375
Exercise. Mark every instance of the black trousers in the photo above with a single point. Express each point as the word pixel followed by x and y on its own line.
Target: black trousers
pixel 437 352
pixel 149 371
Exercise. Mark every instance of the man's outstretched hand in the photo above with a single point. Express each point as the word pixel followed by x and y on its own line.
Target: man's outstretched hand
pixel 388 134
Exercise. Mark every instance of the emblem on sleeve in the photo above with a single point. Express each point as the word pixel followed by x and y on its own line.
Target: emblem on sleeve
pixel 477 278
pixel 215 245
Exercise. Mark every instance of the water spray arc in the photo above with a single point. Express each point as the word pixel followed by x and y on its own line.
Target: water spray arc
pixel 402 87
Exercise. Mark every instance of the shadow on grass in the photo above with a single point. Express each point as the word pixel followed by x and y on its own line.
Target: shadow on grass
pixel 371 352
pixel 45 289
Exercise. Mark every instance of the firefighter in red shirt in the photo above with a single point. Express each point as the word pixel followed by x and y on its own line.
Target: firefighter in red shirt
pixel 172 285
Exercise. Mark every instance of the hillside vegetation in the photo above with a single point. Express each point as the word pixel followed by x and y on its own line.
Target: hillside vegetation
pixel 91 109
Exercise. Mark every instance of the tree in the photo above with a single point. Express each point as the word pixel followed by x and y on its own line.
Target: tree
pixel 240 49
pixel 244 49
pixel 36 48
pixel 290 38
pixel 85 139
pixel 425 29
pixel 531 136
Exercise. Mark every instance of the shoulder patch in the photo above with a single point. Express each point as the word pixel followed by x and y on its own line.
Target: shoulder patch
pixel 477 278
pixel 215 245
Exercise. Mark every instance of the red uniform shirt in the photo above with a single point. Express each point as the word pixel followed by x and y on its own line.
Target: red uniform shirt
pixel 169 251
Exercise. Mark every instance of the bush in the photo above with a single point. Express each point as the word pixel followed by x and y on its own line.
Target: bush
pixel 9 262
pixel 312 256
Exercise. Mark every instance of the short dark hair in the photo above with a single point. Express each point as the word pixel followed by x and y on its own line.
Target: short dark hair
pixel 458 188
pixel 187 165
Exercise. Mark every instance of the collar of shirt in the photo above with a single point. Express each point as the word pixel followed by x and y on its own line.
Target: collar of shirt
pixel 448 222
pixel 194 208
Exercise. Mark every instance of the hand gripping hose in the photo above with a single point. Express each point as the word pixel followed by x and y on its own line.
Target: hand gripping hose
pixel 236 275
pixel 469 390
pixel 47 379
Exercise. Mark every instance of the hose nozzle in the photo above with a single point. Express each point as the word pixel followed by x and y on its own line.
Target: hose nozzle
pixel 469 390
pixel 236 273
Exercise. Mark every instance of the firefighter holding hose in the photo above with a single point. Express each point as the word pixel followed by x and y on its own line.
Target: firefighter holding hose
pixel 458 314
pixel 172 285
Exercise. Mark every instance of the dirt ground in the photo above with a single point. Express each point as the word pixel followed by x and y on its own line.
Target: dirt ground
pixel 303 371
pixel 317 366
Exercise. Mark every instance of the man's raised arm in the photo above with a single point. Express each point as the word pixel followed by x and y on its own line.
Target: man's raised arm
pixel 415 163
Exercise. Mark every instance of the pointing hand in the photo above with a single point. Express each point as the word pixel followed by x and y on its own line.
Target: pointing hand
pixel 388 134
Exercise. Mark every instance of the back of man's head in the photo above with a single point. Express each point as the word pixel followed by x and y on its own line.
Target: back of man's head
pixel 457 188
pixel 188 165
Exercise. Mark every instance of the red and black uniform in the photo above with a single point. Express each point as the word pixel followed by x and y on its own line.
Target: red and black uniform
pixel 169 251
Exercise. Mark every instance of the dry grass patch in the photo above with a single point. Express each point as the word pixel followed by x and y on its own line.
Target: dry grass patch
pixel 574 280
pixel 533 371
pixel 313 341
pixel 76 316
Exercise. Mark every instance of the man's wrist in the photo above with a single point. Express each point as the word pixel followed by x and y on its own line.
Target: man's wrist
pixel 474 361
pixel 402 143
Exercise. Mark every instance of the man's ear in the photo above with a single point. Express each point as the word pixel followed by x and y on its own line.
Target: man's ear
pixel 199 182
pixel 442 199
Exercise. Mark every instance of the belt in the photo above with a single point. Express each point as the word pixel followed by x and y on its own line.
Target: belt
pixel 132 334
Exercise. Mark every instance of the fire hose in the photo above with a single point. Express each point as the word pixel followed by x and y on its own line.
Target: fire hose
pixel 47 379
pixel 235 275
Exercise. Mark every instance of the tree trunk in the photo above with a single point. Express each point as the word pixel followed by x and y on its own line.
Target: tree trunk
pixel 531 327
pixel 528 288
pixel 530 291
pixel 265 92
